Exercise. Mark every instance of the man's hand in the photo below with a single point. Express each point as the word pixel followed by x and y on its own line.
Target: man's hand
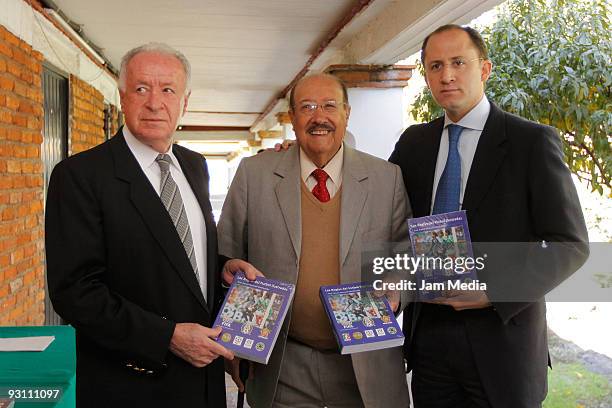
pixel 464 299
pixel 232 367
pixel 287 143
pixel 195 344
pixel 235 265
pixel 393 296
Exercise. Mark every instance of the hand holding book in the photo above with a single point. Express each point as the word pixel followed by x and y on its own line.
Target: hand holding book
pixel 463 299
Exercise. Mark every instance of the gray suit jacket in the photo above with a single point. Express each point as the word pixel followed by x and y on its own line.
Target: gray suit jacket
pixel 261 223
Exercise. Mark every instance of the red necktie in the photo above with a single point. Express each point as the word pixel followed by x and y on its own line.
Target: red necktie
pixel 320 190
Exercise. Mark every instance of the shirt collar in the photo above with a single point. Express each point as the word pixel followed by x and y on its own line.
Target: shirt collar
pixel 474 119
pixel 333 168
pixel 145 154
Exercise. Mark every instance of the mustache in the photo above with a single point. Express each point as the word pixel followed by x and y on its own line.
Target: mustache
pixel 321 126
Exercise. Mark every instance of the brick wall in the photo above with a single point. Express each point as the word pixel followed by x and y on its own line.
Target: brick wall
pixel 21 183
pixel 114 120
pixel 87 116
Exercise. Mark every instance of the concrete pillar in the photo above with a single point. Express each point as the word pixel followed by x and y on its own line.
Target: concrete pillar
pixel 375 95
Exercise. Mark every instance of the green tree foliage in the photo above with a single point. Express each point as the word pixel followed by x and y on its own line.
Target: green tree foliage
pixel 552 63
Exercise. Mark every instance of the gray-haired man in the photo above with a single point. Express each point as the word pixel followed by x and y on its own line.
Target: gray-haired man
pixel 132 251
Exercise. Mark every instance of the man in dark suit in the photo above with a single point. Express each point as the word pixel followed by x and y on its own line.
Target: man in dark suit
pixel 470 349
pixel 132 251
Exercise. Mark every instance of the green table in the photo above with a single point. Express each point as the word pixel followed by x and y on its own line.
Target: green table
pixel 48 375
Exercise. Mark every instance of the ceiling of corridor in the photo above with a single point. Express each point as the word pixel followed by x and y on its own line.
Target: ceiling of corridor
pixel 246 53
pixel 243 53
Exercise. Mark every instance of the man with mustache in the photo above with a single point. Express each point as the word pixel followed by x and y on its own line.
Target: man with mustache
pixel 487 348
pixel 132 251
pixel 303 215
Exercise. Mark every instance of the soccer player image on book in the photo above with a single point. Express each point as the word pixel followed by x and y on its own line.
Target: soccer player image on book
pixel 508 174
pixel 301 216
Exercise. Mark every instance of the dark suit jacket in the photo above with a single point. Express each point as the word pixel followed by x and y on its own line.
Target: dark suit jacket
pixel 518 190
pixel 119 274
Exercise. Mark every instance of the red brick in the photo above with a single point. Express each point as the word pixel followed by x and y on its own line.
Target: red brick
pixel 12 102
pixel 16 197
pixel 16 311
pixel 6 117
pixel 2 65
pixel 6 150
pixel 13 68
pixel 37 138
pixel 11 38
pixel 26 47
pixel 19 151
pixel 33 123
pixel 26 107
pixel 10 272
pixel 20 120
pixel 6 50
pixel 6 83
pixel 20 57
pixel 6 182
pixel 8 214
pixel 19 181
pixel 21 89
pixel 13 134
pixel 27 167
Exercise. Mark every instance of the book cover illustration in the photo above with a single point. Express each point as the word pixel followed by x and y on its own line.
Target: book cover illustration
pixel 360 320
pixel 252 315
pixel 443 242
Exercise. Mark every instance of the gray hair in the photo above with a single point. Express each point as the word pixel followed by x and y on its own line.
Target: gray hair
pixel 158 48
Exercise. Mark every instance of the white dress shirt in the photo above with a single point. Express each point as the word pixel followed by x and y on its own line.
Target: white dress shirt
pixel 146 155
pixel 473 123
pixel 333 168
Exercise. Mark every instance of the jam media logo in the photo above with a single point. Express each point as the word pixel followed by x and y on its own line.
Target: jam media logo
pixel 391 330
pixel 346 337
pixel 260 346
pixel 357 335
pixel 226 337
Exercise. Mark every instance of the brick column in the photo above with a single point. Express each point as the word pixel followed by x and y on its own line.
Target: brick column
pixel 21 183
pixel 87 116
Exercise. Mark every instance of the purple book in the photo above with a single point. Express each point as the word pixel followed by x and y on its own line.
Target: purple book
pixel 252 315
pixel 360 320
pixel 443 244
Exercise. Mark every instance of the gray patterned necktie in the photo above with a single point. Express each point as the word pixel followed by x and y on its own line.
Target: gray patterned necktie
pixel 171 198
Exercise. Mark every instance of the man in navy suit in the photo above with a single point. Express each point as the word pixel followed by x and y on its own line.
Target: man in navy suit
pixel 471 349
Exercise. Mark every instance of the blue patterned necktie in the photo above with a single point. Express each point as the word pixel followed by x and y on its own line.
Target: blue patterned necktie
pixel 449 186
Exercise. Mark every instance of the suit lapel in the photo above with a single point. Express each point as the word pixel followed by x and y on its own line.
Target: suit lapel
pixel 354 195
pixel 489 155
pixel 288 195
pixel 428 153
pixel 421 182
pixel 147 203
pixel 197 176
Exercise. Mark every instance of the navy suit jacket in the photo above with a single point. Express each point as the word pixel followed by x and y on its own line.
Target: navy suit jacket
pixel 519 190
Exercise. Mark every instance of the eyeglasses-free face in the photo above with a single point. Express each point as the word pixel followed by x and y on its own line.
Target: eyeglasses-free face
pixel 454 72
pixel 458 64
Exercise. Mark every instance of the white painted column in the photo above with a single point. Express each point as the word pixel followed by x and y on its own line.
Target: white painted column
pixel 376 119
